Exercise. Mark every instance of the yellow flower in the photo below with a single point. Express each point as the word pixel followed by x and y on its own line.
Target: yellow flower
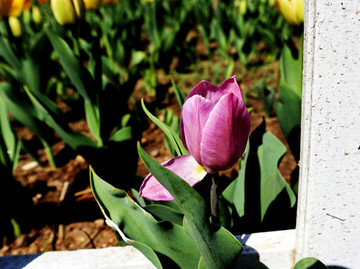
pixel 91 4
pixel 15 26
pixel 11 7
pixel 241 6
pixel 17 7
pixel 36 14
pixel 108 2
pixel 291 10
pixel 68 11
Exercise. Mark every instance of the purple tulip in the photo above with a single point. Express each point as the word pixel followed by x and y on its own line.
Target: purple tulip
pixel 215 126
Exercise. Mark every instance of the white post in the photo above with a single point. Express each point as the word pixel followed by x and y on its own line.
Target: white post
pixel 328 225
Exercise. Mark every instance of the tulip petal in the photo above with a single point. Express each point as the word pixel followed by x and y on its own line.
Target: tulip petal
pixel 207 90
pixel 184 166
pixel 227 131
pixel 195 113
pixel 231 85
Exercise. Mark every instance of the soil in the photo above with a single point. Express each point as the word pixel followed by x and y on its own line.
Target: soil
pixel 69 217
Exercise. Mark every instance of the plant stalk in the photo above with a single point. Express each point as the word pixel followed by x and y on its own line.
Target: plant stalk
pixel 214 199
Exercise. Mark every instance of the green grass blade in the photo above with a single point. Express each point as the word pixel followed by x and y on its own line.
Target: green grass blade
pixel 180 97
pixel 173 137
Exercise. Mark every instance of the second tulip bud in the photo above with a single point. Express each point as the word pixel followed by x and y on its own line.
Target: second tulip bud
pixel 68 11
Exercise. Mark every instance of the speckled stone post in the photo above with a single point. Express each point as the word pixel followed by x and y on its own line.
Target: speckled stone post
pixel 328 224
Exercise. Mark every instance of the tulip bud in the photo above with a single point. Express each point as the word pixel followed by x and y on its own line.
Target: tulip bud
pixel 291 10
pixel 68 11
pixel 27 4
pixel 17 7
pixel 242 7
pixel 215 127
pixel 36 15
pixel 108 2
pixel 15 26
pixel 79 8
pixel 11 8
pixel 91 4
pixel 215 124
pixel 26 16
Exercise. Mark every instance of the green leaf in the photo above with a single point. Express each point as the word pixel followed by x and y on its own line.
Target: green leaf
pixel 173 137
pixel 123 134
pixel 310 263
pixel 78 74
pixel 180 97
pixel 172 121
pixel 229 68
pixel 92 115
pixel 74 139
pixel 272 182
pixel 219 35
pixel 288 108
pixel 31 75
pixel 137 57
pixel 159 236
pixel 290 66
pixel 250 195
pixel 110 70
pixel 239 45
pixel 267 95
pixel 218 247
pixel 168 37
pixel 23 111
pixel 6 131
pixel 202 264
pixel 165 213
pixel 235 192
pixel 139 200
pixel 148 253
pixel 7 53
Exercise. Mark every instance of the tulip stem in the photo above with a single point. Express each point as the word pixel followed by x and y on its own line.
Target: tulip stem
pixel 214 200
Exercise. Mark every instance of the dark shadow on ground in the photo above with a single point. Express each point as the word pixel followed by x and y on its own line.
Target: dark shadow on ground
pixel 17 261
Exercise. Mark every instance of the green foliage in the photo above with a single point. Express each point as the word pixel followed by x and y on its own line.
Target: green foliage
pixel 267 95
pixel 150 236
pixel 169 132
pixel 78 74
pixel 288 108
pixel 260 191
pixel 9 145
pixel 310 263
pixel 24 111
pixel 218 247
pixel 173 121
pixel 288 105
pixel 272 182
pixel 180 97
